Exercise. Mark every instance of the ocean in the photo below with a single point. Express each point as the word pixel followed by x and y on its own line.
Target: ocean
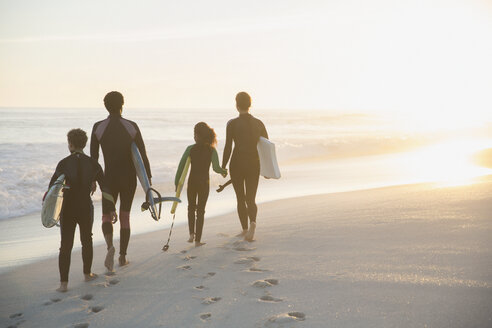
pixel 318 152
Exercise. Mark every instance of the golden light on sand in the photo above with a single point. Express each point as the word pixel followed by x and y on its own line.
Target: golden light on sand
pixel 449 163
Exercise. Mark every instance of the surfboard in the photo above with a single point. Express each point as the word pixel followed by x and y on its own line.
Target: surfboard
pixel 52 204
pixel 181 181
pixel 145 183
pixel 268 159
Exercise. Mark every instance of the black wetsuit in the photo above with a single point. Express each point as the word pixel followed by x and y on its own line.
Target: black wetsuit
pixel 245 131
pixel 115 135
pixel 201 156
pixel 80 172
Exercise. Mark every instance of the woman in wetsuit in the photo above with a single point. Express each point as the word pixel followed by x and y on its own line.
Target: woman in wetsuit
pixel 202 154
pixel 245 130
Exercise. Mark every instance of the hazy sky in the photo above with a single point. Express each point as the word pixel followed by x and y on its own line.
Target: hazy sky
pixel 427 56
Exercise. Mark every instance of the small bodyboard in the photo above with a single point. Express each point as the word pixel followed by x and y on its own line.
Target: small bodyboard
pixel 268 159
pixel 182 179
pixel 144 182
pixel 52 204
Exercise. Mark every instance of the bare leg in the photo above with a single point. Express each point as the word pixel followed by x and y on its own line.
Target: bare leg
pixel 251 232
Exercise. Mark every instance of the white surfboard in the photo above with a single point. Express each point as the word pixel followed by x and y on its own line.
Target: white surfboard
pixel 52 204
pixel 144 181
pixel 268 159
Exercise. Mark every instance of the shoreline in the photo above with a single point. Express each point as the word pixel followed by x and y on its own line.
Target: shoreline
pixel 218 205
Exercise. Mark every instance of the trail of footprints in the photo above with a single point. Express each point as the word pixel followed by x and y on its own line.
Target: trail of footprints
pixel 277 320
pixel 18 318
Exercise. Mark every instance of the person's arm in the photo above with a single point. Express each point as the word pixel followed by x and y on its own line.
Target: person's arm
pixel 228 145
pixel 108 203
pixel 58 172
pixel 94 148
pixel 181 165
pixel 215 164
pixel 141 147
pixel 263 131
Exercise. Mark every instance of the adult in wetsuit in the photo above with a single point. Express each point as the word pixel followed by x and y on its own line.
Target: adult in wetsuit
pixel 80 172
pixel 202 154
pixel 245 130
pixel 115 136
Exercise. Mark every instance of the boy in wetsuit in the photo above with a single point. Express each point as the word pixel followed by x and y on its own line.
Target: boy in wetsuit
pixel 245 130
pixel 202 154
pixel 80 173
pixel 115 136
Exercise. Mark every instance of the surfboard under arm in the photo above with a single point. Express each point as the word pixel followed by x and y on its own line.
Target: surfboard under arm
pixel 181 183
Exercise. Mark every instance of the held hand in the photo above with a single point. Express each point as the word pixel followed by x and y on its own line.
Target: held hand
pixel 93 187
pixel 114 217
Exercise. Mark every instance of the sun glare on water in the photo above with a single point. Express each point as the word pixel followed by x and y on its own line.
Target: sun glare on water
pixel 449 164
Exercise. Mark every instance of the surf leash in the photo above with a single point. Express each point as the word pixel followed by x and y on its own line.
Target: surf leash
pixel 166 247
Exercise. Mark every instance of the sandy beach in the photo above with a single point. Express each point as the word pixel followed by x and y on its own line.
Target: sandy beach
pixel 404 256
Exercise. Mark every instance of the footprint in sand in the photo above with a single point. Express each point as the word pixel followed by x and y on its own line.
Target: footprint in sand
pixel 200 287
pixel 183 251
pixel 184 267
pixel 270 299
pixel 113 282
pixel 86 297
pixel 189 257
pixel 55 299
pixel 265 283
pixel 48 303
pixel 254 269
pixel 205 316
pixel 15 315
pixel 211 300
pixel 244 249
pixel 81 325
pixel 247 260
pixel 211 274
pixel 109 273
pixel 285 318
pixel 96 309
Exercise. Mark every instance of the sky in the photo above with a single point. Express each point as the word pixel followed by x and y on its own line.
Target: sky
pixel 430 58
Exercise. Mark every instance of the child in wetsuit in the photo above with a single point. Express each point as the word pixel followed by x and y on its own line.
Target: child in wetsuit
pixel 80 172
pixel 201 154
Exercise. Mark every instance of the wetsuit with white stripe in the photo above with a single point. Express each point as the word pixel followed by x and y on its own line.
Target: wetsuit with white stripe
pixel 115 136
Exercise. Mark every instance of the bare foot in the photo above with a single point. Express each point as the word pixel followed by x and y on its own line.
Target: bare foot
pixel 90 276
pixel 192 238
pixel 109 261
pixel 198 244
pixel 122 260
pixel 251 232
pixel 242 233
pixel 63 287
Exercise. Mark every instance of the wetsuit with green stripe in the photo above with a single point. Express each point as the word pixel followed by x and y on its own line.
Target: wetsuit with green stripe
pixel 80 172
pixel 245 131
pixel 201 157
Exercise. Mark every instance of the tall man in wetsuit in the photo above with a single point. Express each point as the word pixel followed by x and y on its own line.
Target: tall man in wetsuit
pixel 115 136
pixel 245 130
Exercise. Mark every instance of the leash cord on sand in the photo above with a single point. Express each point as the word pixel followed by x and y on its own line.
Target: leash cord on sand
pixel 166 247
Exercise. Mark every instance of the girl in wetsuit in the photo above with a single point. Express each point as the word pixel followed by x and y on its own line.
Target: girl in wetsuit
pixel 245 130
pixel 202 154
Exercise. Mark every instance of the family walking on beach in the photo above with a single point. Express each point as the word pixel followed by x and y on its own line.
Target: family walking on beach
pixel 114 136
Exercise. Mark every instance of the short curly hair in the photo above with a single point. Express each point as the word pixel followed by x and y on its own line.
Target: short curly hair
pixel 77 138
